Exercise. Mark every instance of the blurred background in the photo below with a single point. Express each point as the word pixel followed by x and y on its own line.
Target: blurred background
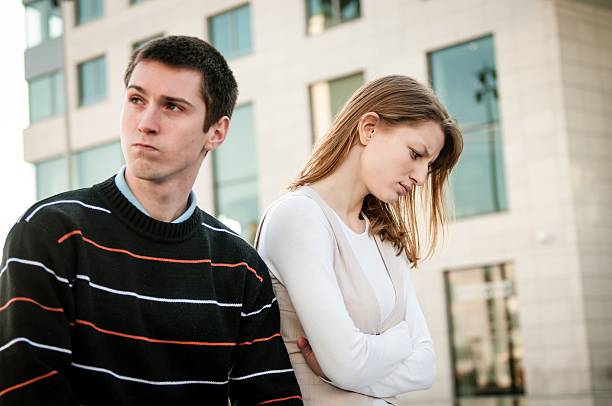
pixel 519 296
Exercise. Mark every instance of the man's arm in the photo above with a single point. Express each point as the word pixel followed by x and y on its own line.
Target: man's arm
pixel 35 311
pixel 261 373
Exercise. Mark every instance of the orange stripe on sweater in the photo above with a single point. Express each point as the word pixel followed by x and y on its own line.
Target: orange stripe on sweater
pixel 236 265
pixel 260 339
pixel 153 340
pixel 27 299
pixel 279 400
pixel 158 259
pixel 178 342
pixel 22 384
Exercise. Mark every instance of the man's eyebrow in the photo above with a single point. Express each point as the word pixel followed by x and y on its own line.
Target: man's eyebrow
pixel 136 87
pixel 176 100
pixel 171 99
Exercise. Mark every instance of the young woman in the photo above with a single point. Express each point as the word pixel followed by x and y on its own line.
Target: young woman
pixel 340 245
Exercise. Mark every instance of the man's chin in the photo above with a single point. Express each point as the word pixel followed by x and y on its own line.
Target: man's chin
pixel 142 172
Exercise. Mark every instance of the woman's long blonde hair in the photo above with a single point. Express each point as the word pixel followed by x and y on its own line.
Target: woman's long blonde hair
pixel 398 100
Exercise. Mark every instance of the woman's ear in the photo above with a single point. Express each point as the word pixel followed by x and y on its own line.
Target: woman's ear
pixel 367 127
pixel 216 134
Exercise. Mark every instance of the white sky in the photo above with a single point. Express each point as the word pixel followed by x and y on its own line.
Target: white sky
pixel 16 176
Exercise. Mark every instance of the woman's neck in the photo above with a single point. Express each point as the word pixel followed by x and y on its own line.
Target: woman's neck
pixel 344 191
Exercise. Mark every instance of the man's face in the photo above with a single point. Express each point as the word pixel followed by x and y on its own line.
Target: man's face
pixel 162 120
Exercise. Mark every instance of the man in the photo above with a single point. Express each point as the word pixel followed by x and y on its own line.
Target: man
pixel 126 292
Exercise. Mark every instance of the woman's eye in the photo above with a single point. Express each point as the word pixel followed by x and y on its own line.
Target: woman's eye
pixel 134 99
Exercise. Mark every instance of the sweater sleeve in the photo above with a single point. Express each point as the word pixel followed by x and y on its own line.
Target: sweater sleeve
pixel 261 372
pixel 36 307
pixel 297 243
pixel 418 371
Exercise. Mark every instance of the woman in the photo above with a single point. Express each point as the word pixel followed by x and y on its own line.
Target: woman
pixel 340 244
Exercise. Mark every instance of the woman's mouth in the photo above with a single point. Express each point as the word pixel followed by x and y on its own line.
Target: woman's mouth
pixel 406 189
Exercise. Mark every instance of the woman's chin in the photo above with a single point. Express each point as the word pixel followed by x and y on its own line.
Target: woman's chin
pixel 388 198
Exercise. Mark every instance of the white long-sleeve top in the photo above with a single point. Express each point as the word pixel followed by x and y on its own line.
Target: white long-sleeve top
pixel 297 243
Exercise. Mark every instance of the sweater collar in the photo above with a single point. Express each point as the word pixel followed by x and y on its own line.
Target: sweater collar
pixel 149 227
pixel 121 183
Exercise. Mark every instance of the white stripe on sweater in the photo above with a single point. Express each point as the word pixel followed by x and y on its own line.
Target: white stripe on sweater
pixel 258 311
pixel 35 263
pixel 34 344
pixel 221 230
pixel 159 383
pixel 89 206
pixel 153 298
pixel 272 371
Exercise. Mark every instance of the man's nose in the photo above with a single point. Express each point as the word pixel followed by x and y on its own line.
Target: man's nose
pixel 149 121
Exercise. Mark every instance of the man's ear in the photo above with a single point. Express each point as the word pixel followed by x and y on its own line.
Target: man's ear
pixel 216 134
pixel 367 126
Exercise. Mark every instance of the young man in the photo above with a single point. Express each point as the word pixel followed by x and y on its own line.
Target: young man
pixel 126 292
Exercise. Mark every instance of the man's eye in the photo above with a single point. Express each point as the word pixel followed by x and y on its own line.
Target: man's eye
pixel 173 107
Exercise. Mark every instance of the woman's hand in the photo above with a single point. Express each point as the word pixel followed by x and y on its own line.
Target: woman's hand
pixel 310 357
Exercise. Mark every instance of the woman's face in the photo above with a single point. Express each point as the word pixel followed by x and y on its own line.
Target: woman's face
pixel 397 158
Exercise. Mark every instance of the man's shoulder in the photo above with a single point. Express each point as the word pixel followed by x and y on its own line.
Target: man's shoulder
pixel 73 204
pixel 221 234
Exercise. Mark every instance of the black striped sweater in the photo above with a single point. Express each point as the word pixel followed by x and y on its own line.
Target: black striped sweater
pixel 101 304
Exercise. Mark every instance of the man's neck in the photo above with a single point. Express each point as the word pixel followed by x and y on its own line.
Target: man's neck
pixel 162 201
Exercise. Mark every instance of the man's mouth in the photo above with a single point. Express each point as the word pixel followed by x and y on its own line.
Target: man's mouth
pixel 145 147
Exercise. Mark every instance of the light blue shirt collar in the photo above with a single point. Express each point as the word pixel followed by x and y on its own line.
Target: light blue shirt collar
pixel 127 193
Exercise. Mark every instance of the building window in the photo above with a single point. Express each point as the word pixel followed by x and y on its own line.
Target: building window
pixel 235 173
pixel 46 96
pixel 327 99
pixel 486 343
pixel 464 78
pixel 92 81
pixel 51 177
pixel 89 10
pixel 230 32
pixel 322 14
pixel 139 44
pixel 89 167
pixel 94 165
pixel 43 22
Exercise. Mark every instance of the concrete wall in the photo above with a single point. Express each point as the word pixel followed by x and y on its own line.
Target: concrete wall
pixel 585 34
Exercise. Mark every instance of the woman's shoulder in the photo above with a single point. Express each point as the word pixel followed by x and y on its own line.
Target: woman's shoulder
pixel 294 206
pixel 295 213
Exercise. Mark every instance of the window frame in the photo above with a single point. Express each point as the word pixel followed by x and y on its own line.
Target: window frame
pixel 217 185
pixel 56 109
pixel 515 390
pixel 234 54
pixel 335 20
pixel 78 21
pixel 500 200
pixel 98 99
pixel 314 139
